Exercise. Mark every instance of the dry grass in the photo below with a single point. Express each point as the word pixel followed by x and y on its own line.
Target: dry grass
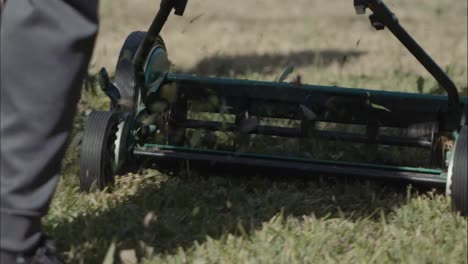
pixel 213 29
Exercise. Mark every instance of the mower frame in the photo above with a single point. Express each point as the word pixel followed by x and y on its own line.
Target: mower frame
pixel 308 104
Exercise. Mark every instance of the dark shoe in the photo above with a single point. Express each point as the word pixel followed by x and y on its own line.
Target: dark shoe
pixel 46 253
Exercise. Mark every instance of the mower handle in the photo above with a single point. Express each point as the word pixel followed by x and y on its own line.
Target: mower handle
pixel 156 27
pixel 382 17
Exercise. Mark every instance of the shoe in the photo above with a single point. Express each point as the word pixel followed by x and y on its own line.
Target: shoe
pixel 46 253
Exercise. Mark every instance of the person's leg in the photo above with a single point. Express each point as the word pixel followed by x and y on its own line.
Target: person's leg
pixel 45 50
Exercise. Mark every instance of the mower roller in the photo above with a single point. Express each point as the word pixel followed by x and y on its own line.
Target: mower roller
pixel 277 127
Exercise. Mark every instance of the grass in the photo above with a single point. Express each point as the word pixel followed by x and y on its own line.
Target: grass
pixel 243 219
pixel 157 216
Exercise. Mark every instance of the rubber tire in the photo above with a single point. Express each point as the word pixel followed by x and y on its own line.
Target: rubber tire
pixel 99 133
pixel 125 74
pixel 459 185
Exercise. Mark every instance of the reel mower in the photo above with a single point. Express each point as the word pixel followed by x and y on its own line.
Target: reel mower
pixel 280 128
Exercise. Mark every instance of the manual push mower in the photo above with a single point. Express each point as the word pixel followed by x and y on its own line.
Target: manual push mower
pixel 276 127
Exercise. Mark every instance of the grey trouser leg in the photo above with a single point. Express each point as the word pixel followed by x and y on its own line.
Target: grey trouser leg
pixel 45 46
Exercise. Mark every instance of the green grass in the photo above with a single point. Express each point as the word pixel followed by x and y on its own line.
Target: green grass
pixel 254 219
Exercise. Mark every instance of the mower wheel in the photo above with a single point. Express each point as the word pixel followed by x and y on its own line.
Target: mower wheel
pixel 457 178
pixel 125 72
pixel 98 150
pixel 121 143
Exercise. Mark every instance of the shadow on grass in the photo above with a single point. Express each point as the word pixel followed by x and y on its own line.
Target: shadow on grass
pixel 224 65
pixel 188 209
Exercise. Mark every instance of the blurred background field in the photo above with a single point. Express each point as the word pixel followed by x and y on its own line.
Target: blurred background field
pixel 325 41
pixel 157 217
